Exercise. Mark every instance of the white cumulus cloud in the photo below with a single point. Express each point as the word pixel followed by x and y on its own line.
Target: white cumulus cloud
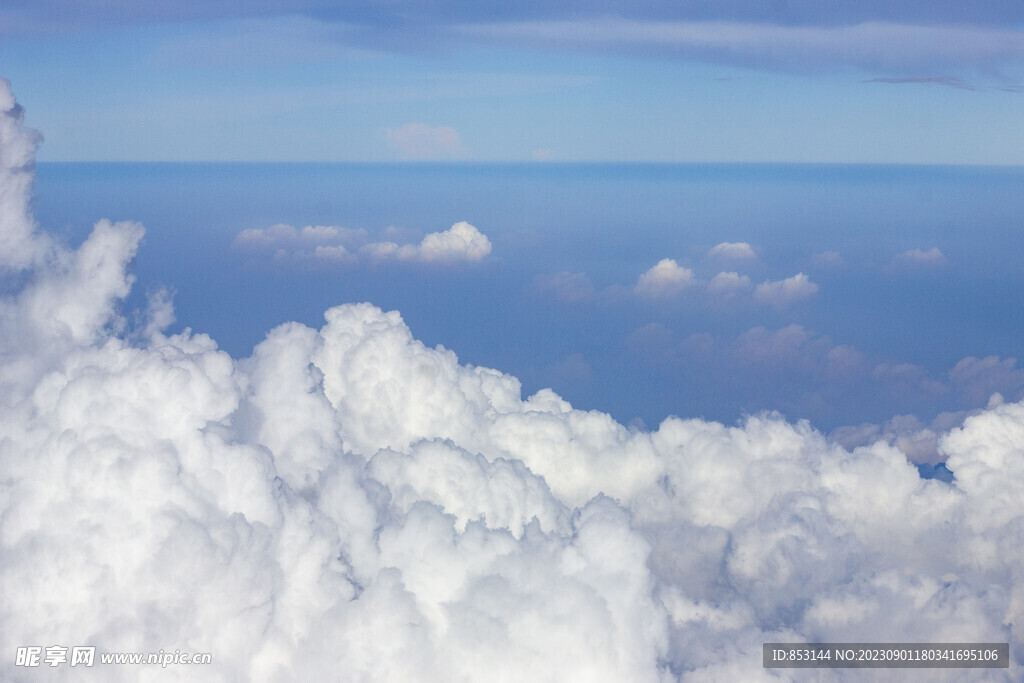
pixel 784 292
pixel 20 244
pixel 665 278
pixel 737 251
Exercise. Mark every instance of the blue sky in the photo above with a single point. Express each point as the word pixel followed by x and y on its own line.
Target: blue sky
pixel 610 81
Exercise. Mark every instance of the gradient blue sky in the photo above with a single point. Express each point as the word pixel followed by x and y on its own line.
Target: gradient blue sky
pixel 908 82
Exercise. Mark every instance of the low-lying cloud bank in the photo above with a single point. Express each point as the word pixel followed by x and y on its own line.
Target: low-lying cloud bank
pixel 348 503
pixel 329 244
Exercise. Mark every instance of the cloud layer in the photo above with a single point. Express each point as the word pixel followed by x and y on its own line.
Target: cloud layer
pixel 349 500
pixel 334 245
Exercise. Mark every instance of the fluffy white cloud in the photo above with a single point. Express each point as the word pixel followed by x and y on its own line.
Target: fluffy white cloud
pixel 20 245
pixel 461 242
pixel 331 244
pixel 784 292
pixel 420 142
pixel 349 500
pixel 737 251
pixel 665 278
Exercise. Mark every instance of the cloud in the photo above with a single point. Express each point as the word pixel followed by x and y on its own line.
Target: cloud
pixel 980 378
pixel 918 257
pixel 868 44
pixel 419 142
pixel 784 292
pixel 20 244
pixel 348 499
pixel 796 349
pixel 42 15
pixel 919 442
pixel 461 242
pixel 786 345
pixel 904 378
pixel 335 245
pixel 890 38
pixel 728 285
pixel 664 279
pixel 736 251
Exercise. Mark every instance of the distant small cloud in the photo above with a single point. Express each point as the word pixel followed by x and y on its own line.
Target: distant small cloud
pixel 283 236
pixel 664 279
pixel 784 292
pixel 543 154
pixel 565 286
pixel 334 252
pixel 907 379
pixel 420 142
pixel 733 250
pixel 728 285
pixel 980 378
pixel 919 257
pixel 800 350
pixel 905 432
pixel 461 242
pixel 335 245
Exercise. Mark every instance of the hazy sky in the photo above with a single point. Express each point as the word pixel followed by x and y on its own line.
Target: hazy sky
pixel 910 82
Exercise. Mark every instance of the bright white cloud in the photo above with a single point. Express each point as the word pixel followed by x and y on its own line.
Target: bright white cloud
pixel 420 142
pixel 348 499
pixel 461 242
pixel 737 251
pixel 784 292
pixel 331 244
pixel 20 245
pixel 664 279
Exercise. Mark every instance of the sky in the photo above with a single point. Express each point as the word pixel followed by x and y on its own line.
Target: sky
pixel 375 421
pixel 348 502
pixel 737 81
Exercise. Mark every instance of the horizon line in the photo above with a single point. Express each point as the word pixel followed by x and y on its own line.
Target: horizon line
pixel 527 162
